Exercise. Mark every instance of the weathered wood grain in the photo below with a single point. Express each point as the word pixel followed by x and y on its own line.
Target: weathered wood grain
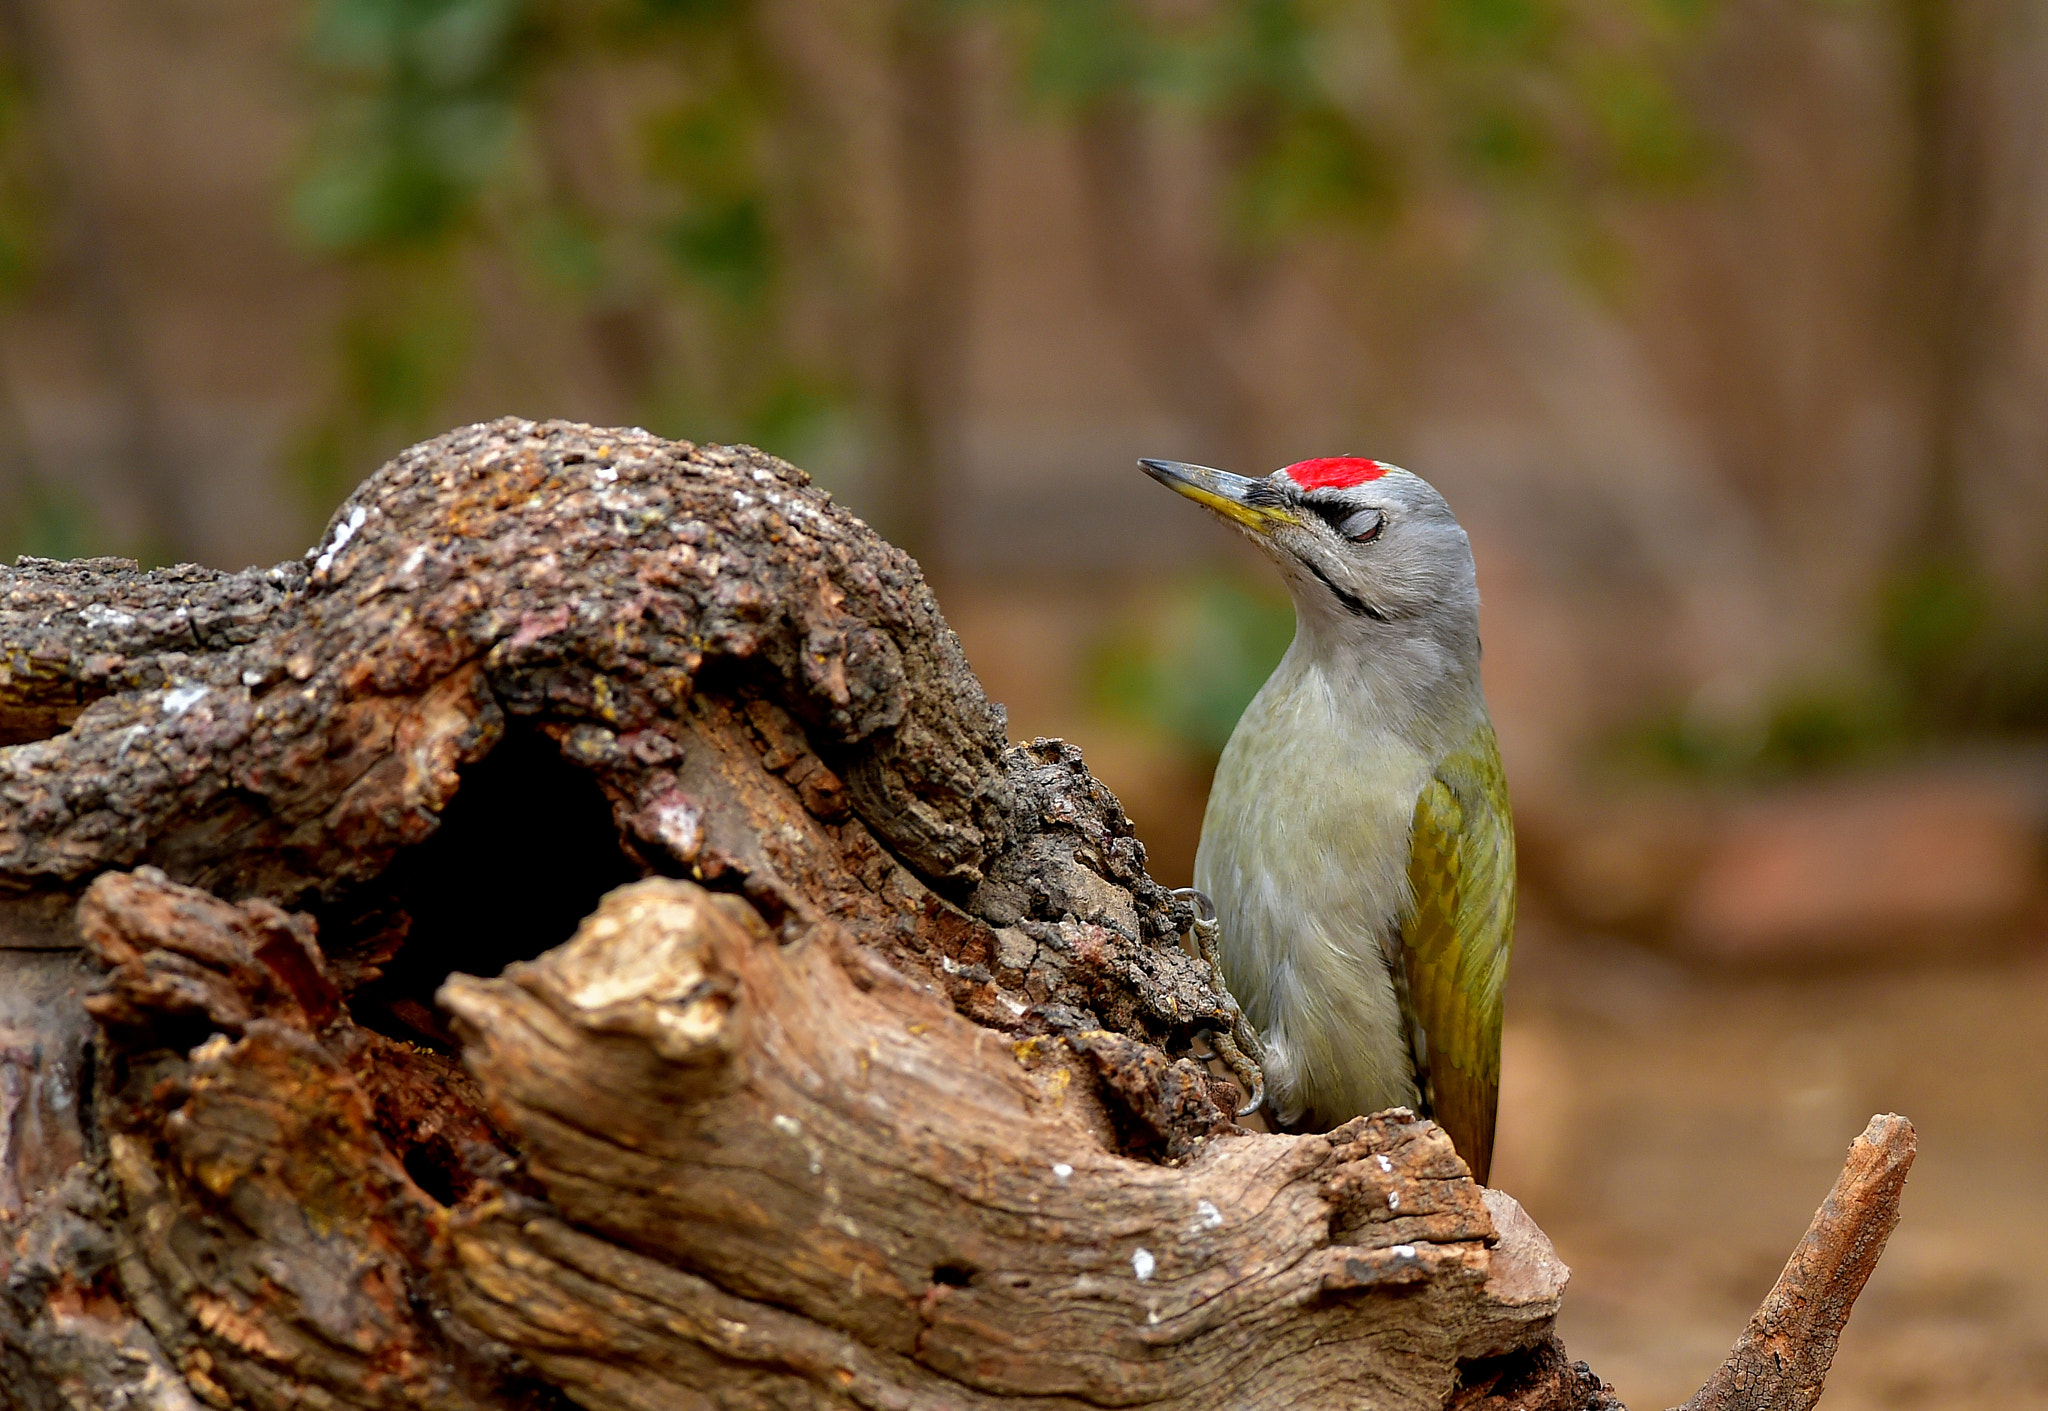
pixel 838 1158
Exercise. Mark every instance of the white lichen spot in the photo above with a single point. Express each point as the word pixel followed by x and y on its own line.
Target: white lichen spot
pixel 742 498
pixel 252 678
pixel 1403 1251
pixel 343 532
pixel 183 698
pixel 100 617
pixel 1393 1200
pixel 1385 1165
pixel 1142 1264
pixel 604 474
pixel 1151 1314
pixel 57 1092
pixel 1209 1215
pixel 786 1124
pixel 413 560
pixel 680 827
pixel 1061 1170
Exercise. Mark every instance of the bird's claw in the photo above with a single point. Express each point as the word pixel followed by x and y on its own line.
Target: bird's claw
pixel 1240 1048
pixel 1243 1066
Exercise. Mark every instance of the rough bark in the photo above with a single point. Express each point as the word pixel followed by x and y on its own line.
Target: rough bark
pixel 835 1054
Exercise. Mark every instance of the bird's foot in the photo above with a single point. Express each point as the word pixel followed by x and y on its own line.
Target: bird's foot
pixel 1240 1048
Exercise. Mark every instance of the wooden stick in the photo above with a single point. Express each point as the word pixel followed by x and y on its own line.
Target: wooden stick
pixel 1782 1357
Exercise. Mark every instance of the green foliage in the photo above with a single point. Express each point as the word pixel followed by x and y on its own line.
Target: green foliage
pixel 51 522
pixel 1813 728
pixel 397 349
pixel 732 213
pixel 1324 114
pixel 1650 139
pixel 1345 112
pixel 1933 625
pixel 1187 663
pixel 710 154
pixel 426 162
pixel 1966 661
pixel 1077 51
pixel 1951 661
pixel 418 121
pixel 1319 168
pixel 40 513
pixel 22 216
pixel 416 133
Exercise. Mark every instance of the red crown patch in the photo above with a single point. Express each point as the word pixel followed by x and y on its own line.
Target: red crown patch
pixel 1334 472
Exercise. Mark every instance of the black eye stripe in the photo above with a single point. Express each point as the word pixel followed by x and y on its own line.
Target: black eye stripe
pixel 1330 512
pixel 1360 523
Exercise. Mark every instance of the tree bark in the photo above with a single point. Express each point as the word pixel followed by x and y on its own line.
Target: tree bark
pixel 581 938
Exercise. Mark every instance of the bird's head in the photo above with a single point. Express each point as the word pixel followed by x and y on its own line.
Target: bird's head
pixel 1370 551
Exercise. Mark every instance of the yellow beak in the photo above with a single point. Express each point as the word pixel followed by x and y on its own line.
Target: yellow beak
pixel 1229 495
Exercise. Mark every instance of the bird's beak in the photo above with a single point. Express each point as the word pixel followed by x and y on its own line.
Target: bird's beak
pixel 1229 495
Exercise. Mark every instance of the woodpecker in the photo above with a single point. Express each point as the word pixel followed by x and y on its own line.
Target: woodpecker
pixel 1357 846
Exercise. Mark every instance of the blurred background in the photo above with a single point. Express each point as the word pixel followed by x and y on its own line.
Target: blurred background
pixel 1723 324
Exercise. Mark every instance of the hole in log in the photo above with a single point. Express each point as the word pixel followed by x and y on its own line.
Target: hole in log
pixel 429 1171
pixel 953 1275
pixel 523 853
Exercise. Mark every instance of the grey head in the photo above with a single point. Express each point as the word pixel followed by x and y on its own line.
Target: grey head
pixel 1371 552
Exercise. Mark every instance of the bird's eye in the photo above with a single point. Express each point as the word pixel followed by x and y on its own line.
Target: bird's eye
pixel 1363 527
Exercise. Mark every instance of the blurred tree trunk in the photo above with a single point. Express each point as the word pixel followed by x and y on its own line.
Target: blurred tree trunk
pixel 1154 276
pixel 578 169
pixel 143 445
pixel 925 396
pixel 1971 251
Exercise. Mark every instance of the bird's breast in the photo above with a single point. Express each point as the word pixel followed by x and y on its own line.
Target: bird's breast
pixel 1305 852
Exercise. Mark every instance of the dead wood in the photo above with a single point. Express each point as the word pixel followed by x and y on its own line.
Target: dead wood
pixel 836 1053
pixel 1782 1357
pixel 889 1203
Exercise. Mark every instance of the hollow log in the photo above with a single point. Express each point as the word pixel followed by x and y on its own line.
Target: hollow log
pixel 580 937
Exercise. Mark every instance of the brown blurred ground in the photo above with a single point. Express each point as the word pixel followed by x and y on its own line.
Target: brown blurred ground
pixel 1673 1129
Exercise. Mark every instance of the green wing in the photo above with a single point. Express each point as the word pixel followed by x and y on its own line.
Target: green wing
pixel 1461 864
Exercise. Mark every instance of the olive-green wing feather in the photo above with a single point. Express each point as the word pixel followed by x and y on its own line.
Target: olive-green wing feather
pixel 1461 865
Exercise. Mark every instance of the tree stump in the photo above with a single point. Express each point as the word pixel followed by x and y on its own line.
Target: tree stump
pixel 581 937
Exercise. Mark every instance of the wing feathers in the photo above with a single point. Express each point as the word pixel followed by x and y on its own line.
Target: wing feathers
pixel 1455 942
